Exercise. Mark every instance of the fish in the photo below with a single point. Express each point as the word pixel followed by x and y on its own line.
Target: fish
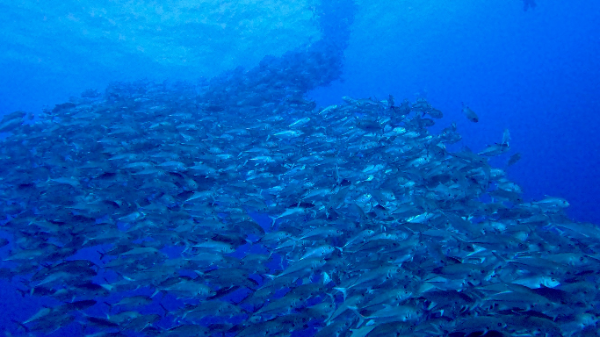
pixel 513 159
pixel 470 114
pixel 552 202
pixel 132 301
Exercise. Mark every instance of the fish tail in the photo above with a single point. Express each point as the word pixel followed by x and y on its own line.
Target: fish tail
pixel 165 309
pixel 361 318
pixel 21 325
pixel 22 292
pixel 110 306
pixel 342 290
pixel 101 254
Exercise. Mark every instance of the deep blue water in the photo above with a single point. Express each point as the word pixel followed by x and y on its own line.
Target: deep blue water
pixel 535 72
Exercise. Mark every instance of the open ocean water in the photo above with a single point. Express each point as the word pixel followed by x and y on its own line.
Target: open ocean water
pixel 300 168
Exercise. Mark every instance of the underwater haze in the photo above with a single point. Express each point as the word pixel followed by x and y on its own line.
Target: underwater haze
pixel 300 168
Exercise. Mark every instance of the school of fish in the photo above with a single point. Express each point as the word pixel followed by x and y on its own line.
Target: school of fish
pixel 251 212
pixel 237 207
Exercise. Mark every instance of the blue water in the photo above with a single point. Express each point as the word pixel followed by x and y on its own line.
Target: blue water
pixel 534 72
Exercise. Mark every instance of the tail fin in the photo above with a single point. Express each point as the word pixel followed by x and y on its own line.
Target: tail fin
pixel 165 309
pixel 342 290
pixel 273 221
pixel 360 317
pixel 21 325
